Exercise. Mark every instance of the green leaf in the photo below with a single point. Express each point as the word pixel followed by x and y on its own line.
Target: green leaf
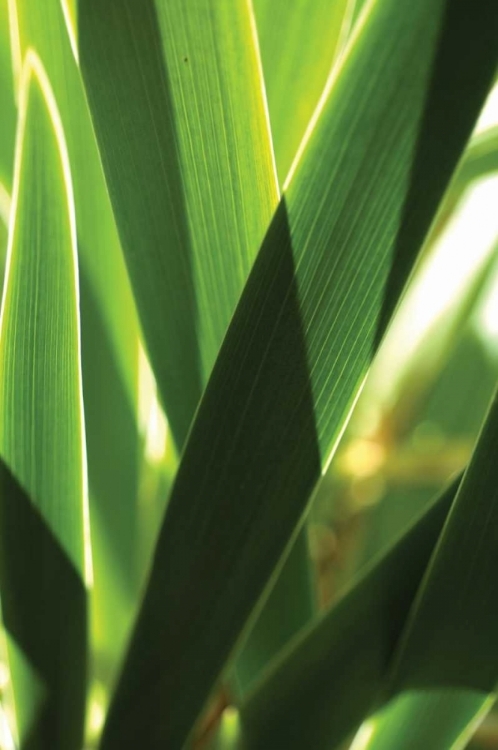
pixel 179 115
pixel 320 688
pixel 450 637
pixel 110 337
pixel 196 108
pixel 299 43
pixel 44 559
pixel 290 605
pixel 432 719
pixel 42 27
pixel 4 227
pixel 479 160
pixel 7 107
pixel 328 276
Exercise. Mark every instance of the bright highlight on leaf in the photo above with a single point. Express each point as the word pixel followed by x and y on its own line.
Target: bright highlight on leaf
pixel 201 341
pixel 328 277
pixel 43 506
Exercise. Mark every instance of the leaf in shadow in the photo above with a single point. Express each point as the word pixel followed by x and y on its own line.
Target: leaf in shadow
pixel 44 609
pixel 251 534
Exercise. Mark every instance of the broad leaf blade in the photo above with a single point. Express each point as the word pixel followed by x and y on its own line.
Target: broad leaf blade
pixel 44 523
pixel 299 42
pixel 176 99
pixel 196 109
pixel 337 254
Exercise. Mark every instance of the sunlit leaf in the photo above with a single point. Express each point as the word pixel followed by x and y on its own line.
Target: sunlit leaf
pixel 7 106
pixel 299 41
pixel 44 557
pixel 178 110
pixel 317 302
pixel 109 330
pixel 196 108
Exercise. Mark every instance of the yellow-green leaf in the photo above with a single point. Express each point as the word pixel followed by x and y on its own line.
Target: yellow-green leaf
pixel 45 562
pixel 300 40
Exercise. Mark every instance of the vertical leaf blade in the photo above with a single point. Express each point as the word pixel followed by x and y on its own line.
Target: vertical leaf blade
pixel 179 114
pixel 45 565
pixel 110 337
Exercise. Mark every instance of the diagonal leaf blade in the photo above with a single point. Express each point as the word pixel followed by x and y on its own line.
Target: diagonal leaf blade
pixel 320 688
pixel 299 43
pixel 197 110
pixel 455 605
pixel 43 499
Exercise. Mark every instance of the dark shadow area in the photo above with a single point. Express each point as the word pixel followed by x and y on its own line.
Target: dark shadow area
pixel 112 441
pixel 234 505
pixel 44 608
pixel 289 606
pixel 132 113
pixel 337 670
pixel 461 76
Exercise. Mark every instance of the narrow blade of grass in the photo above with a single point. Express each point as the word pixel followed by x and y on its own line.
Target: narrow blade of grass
pixel 7 102
pixel 387 136
pixel 44 560
pixel 110 336
pixel 479 160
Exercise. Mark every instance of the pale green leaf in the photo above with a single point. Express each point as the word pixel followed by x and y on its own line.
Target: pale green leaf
pixel 45 561
pixel 299 41
pixel 7 107
pixel 109 330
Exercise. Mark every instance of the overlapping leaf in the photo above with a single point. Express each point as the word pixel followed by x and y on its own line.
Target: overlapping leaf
pixel 109 331
pixel 197 111
pixel 328 276
pixel 177 104
pixel 44 557
pixel 321 688
pixel 299 43
pixel 456 605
